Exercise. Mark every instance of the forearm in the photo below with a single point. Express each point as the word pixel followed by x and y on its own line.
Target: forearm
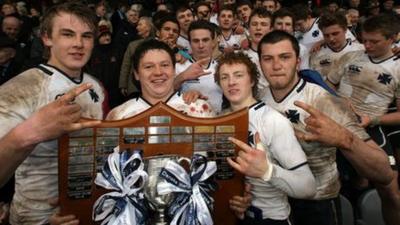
pixel 15 146
pixel 368 159
pixel 388 119
pixel 298 183
pixel 178 81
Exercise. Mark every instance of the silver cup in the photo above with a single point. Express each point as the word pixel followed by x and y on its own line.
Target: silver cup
pixel 158 203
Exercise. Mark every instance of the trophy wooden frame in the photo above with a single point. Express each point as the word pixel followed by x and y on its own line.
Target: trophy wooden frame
pixel 158 130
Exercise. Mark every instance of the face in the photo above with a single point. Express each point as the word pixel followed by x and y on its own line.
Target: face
pixel 203 13
pixel 333 7
pixel 132 16
pixel 101 10
pixel 302 25
pixel 11 27
pixel 388 5
pixel 201 43
pixel 258 27
pixel 334 36
pixel 376 45
pixel 184 19
pixel 70 43
pixel 105 39
pixel 228 2
pixel 211 3
pixel 162 7
pixel 284 23
pixel 225 19
pixel 143 28
pixel 353 17
pixel 169 33
pixel 354 3
pixel 244 13
pixel 235 82
pixel 8 9
pixel 279 64
pixel 270 6
pixel 156 75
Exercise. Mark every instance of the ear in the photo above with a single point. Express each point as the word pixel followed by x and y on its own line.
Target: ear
pixel 298 63
pixel 158 33
pixel 136 75
pixel 47 40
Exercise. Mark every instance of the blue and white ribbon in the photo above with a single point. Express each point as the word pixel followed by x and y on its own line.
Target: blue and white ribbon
pixel 192 201
pixel 124 173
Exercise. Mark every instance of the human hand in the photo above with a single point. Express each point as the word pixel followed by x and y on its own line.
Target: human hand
pixel 323 129
pixel 245 44
pixel 250 161
pixel 57 219
pixel 55 119
pixel 396 50
pixel 239 204
pixel 317 46
pixel 196 69
pixel 192 95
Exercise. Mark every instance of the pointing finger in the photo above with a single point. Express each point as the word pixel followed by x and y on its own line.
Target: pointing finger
pixel 70 95
pixel 240 144
pixel 307 108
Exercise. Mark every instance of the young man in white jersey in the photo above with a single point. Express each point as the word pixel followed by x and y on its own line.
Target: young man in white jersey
pixel 229 41
pixel 260 23
pixel 68 30
pixel 185 16
pixel 272 136
pixel 284 20
pixel 198 73
pixel 333 27
pixel 154 67
pixel 278 52
pixel 370 79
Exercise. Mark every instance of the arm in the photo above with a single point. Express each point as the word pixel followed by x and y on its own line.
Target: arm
pixel 50 122
pixel 193 72
pixel 389 119
pixel 366 157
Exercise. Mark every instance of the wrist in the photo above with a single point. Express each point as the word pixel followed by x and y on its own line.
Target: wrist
pixel 347 141
pixel 376 120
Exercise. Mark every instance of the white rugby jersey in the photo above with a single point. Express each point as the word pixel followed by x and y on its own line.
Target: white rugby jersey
pixel 284 152
pixel 204 84
pixel 321 158
pixel 262 82
pixel 233 40
pixel 184 43
pixel 200 108
pixel 36 179
pixel 371 86
pixel 326 58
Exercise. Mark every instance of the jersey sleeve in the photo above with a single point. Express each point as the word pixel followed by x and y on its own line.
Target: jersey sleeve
pixel 336 73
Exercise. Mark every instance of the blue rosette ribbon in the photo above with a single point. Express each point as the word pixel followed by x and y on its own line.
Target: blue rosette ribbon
pixel 192 203
pixel 124 173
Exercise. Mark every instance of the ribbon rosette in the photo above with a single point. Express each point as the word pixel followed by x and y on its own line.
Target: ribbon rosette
pixel 192 201
pixel 123 172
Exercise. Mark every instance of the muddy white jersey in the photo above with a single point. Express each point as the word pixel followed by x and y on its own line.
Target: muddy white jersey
pixel 285 154
pixel 371 86
pixel 204 84
pixel 36 179
pixel 321 158
pixel 326 58
pixel 199 108
pixel 262 82
pixel 184 43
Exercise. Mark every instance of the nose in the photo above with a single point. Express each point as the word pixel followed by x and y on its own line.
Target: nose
pixel 78 41
pixel 157 70
pixel 276 64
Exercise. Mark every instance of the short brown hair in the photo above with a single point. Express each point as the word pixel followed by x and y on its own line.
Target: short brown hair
pixel 239 58
pixel 83 12
pixel 330 19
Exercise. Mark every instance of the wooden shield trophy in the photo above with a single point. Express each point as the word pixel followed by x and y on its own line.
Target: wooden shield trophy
pixel 159 130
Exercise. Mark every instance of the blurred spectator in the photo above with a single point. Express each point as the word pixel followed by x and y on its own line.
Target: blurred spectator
pixel 118 16
pixel 8 67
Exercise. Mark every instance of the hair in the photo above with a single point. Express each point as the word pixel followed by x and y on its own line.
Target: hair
pixel 330 19
pixel 201 24
pixel 149 45
pixel 78 9
pixel 149 22
pixel 201 3
pixel 182 8
pixel 275 1
pixel 301 12
pixel 276 36
pixel 227 8
pixel 168 18
pixel 283 12
pixel 239 58
pixel 386 24
pixel 261 12
pixel 244 2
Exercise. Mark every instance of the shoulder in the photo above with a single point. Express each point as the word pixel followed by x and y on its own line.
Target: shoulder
pixel 130 108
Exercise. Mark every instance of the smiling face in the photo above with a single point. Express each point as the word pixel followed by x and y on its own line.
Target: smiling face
pixel 156 75
pixel 258 27
pixel 236 84
pixel 70 43
pixel 279 64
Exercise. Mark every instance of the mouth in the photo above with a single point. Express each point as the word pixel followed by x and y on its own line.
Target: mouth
pixel 233 91
pixel 158 81
pixel 77 55
pixel 258 35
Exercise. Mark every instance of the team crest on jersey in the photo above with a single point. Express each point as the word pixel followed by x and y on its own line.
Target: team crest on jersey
pixel 93 95
pixel 325 62
pixel 355 69
pixel 315 33
pixel 384 78
pixel 293 115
